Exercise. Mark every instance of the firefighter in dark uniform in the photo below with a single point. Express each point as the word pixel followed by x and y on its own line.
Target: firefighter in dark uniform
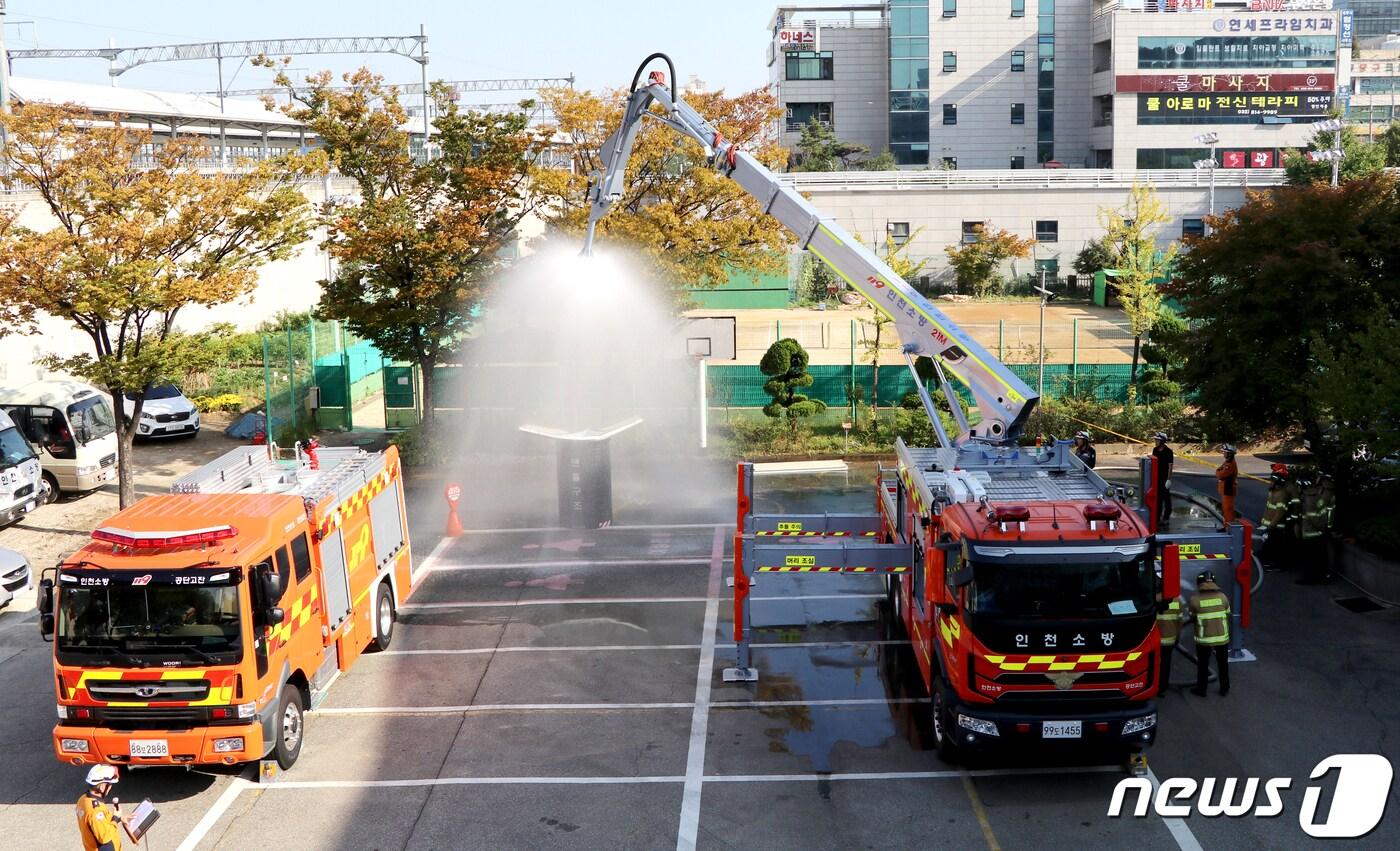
pixel 1169 626
pixel 1314 522
pixel 1085 450
pixel 1277 527
pixel 1211 610
pixel 1166 459
pixel 99 822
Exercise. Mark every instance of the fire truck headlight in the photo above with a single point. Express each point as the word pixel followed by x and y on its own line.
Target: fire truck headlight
pixel 1137 725
pixel 74 745
pixel 62 712
pixel 978 725
pixel 247 710
pixel 228 745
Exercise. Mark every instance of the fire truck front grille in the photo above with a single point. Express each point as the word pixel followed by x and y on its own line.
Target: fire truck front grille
pixel 127 691
pixel 1057 698
pixel 1097 678
pixel 143 718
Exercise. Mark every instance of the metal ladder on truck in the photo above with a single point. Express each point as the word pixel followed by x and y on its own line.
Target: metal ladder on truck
pixel 787 544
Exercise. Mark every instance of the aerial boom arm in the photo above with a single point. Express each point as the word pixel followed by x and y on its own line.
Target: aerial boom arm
pixel 1003 400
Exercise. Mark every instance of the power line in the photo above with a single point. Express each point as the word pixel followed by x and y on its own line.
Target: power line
pixel 514 84
pixel 123 59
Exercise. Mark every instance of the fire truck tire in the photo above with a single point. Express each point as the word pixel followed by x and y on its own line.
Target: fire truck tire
pixel 943 729
pixel 290 727
pixel 383 617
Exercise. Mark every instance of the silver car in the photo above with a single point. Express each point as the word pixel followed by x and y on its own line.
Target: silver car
pixel 14 575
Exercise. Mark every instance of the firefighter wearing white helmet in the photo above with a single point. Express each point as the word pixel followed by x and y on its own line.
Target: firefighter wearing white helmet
pixel 1227 477
pixel 99 821
pixel 1084 448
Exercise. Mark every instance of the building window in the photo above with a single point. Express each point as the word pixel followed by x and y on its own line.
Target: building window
pixel 809 65
pixel 1047 231
pixel 899 232
pixel 950 163
pixel 1236 51
pixel 1050 266
pixel 909 73
pixel 1018 162
pixel 1193 228
pixel 1018 8
pixel 1018 60
pixel 1018 113
pixel 798 114
pixel 950 60
pixel 971 232
pixel 915 154
pixel 950 8
pixel 950 113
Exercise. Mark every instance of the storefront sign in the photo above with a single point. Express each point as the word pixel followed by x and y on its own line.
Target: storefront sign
pixel 1290 5
pixel 797 38
pixel 1221 83
pixel 1348 29
pixel 1256 158
pixel 1316 24
pixel 1371 69
pixel 1187 109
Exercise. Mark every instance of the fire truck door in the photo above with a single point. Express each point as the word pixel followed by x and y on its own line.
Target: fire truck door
pixel 334 577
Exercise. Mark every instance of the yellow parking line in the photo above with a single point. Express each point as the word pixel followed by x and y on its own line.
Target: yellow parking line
pixel 980 811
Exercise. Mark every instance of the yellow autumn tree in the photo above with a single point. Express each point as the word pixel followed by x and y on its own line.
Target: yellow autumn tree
pixel 693 223
pixel 140 231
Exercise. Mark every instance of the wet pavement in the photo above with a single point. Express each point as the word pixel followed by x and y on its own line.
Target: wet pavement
pixel 562 689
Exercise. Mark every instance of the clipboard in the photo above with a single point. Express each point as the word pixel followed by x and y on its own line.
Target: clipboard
pixel 138 824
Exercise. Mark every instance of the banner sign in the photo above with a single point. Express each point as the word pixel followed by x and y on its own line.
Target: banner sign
pixel 1186 109
pixel 1321 24
pixel 797 38
pixel 1348 28
pixel 1360 69
pixel 1231 83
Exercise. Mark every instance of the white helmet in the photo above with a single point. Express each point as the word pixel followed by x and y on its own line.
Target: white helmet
pixel 102 774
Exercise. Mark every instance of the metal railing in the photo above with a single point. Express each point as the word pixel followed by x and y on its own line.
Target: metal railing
pixel 1063 178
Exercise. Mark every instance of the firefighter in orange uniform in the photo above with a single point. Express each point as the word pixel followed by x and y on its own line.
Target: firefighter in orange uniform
pixel 99 823
pixel 1228 477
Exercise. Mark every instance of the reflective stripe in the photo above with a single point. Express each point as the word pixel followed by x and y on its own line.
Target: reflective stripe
pixel 1211 642
pixel 1203 616
pixel 1211 602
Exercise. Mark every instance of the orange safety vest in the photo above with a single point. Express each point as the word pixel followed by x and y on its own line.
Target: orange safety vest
pixel 98 823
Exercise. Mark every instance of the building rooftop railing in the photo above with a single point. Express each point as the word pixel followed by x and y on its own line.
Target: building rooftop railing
pixel 1052 178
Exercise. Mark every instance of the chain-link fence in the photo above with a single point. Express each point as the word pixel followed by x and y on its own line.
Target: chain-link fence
pixel 319 375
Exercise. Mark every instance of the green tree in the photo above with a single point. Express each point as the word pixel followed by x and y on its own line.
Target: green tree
pixel 977 265
pixel 1131 233
pixel 883 161
pixel 132 246
pixel 418 247
pixel 785 364
pixel 1288 302
pixel 820 150
pixel 1359 158
pixel 1095 256
pixel 1389 141
pixel 816 279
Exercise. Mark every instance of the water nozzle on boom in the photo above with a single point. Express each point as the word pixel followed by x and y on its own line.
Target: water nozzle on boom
pixel 1003 400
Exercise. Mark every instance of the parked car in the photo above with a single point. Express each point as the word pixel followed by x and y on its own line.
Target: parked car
pixel 72 427
pixel 166 413
pixel 14 575
pixel 22 486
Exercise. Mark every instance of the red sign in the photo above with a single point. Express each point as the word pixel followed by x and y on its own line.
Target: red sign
pixel 1225 83
pixel 1232 159
pixel 453 493
pixel 1261 159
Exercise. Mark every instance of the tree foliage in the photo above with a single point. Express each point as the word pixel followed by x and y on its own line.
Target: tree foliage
pixel 820 150
pixel 1130 234
pixel 785 364
pixel 416 250
pixel 1095 256
pixel 1292 303
pixel 816 280
pixel 133 243
pixel 977 265
pixel 691 222
pixel 1360 158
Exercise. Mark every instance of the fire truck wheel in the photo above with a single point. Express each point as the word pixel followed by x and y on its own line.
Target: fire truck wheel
pixel 384 617
pixel 290 727
pixel 943 729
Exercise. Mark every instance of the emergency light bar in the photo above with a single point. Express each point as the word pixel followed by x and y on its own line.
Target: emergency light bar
pixel 1102 511
pixel 155 540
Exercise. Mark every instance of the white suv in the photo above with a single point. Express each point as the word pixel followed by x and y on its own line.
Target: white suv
pixel 167 413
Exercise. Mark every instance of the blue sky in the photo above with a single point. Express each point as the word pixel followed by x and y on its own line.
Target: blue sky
pixel 599 41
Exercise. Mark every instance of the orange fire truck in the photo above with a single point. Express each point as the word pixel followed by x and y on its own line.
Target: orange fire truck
pixel 1026 582
pixel 198 626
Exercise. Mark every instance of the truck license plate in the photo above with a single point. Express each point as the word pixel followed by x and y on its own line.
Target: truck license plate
pixel 1061 729
pixel 149 747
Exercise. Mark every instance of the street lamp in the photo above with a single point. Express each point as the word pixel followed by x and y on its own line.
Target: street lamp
pixel 1045 298
pixel 1211 140
pixel 1334 156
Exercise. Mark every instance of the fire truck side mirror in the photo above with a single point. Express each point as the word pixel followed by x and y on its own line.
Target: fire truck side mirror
pixel 46 626
pixel 961 577
pixel 45 600
pixel 271 583
pixel 948 609
pixel 275 615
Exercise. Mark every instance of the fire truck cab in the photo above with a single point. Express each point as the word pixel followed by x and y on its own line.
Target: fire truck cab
pixel 199 626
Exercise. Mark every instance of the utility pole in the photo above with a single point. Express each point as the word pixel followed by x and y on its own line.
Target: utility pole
pixel 1044 299
pixel 423 66
pixel 4 65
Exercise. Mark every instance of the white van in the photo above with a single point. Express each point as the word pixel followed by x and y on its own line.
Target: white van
pixel 21 486
pixel 72 426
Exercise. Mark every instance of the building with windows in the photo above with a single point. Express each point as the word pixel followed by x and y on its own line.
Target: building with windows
pixel 1011 84
pixel 1373 17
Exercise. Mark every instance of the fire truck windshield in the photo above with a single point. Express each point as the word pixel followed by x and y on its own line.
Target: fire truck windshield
pixel 182 617
pixel 1061 590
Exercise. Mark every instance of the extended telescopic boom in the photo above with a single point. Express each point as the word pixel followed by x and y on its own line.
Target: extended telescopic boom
pixel 1002 399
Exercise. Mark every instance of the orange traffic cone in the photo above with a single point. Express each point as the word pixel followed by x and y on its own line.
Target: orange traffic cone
pixel 454 523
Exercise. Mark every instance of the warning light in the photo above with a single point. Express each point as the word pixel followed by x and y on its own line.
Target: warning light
pixel 1102 511
pixel 155 540
pixel 1012 514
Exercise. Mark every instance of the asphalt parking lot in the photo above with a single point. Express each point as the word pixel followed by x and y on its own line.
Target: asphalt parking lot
pixel 560 689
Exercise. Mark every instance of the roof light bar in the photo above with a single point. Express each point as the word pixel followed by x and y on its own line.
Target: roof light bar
pixel 1012 513
pixel 1102 511
pixel 156 540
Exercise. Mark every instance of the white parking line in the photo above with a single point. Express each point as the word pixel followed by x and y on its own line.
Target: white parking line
pixel 606 648
pixel 212 816
pixel 840 701
pixel 570 601
pixel 1180 831
pixel 567 563
pixel 700 718
pixel 494 707
pixel 287 785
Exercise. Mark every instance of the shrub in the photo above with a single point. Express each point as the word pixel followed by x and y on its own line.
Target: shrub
pixel 230 402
